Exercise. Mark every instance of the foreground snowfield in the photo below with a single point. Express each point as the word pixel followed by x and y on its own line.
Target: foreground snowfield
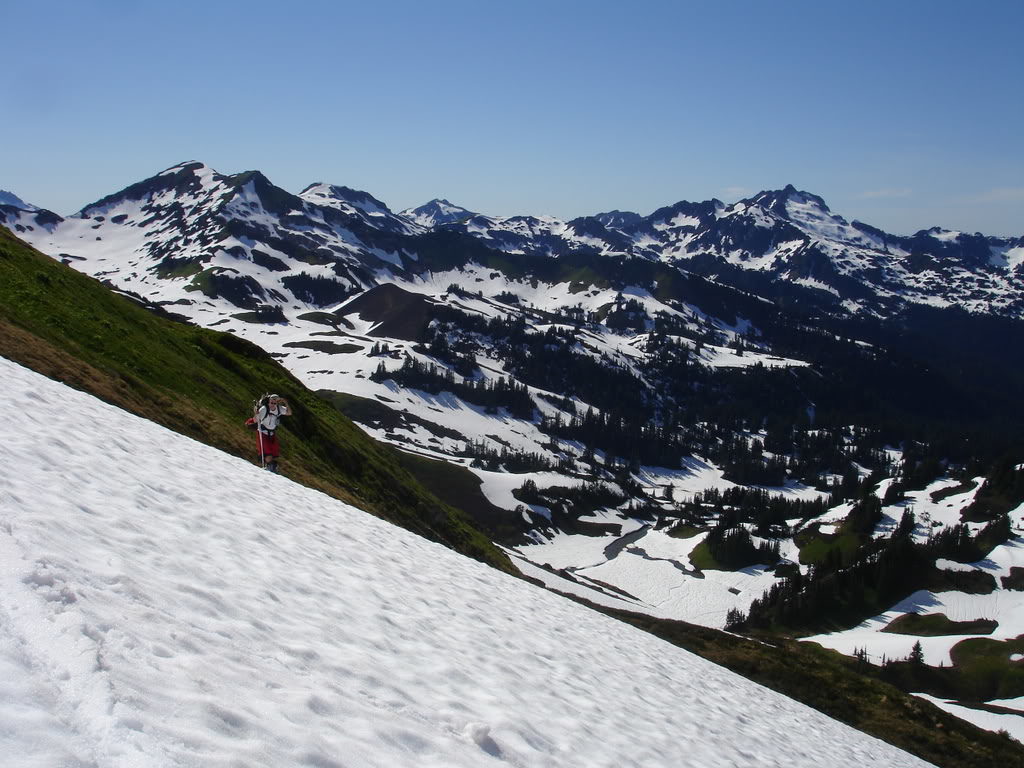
pixel 163 604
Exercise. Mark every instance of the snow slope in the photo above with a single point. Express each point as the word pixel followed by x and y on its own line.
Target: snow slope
pixel 163 604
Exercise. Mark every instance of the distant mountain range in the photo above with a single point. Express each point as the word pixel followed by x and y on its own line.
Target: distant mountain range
pixel 781 242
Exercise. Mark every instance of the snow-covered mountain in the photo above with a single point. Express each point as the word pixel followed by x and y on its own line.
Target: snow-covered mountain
pixel 436 212
pixel 242 237
pixel 791 237
pixel 12 200
pixel 24 217
pixel 237 236
pixel 163 604
pixel 362 204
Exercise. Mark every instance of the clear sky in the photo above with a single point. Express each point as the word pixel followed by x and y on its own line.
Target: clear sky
pixel 903 114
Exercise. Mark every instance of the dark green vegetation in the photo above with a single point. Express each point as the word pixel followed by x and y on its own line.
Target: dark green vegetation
pixel 1002 491
pixel 461 488
pixel 492 395
pixel 566 504
pixel 669 405
pixel 987 664
pixel 982 670
pixel 1015 580
pixel 202 383
pixel 911 377
pixel 264 313
pixel 846 689
pixel 702 560
pixel 327 347
pixel 831 551
pixel 767 513
pixel 938 624
pixel 321 291
pixel 734 548
pixel 849 584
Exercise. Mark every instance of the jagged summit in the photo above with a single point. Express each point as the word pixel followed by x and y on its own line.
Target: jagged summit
pixel 618 219
pixel 186 165
pixel 25 218
pixel 941 233
pixel 358 206
pixel 187 178
pixel 190 182
pixel 335 195
pixel 11 199
pixel 779 201
pixel 689 210
pixel 437 212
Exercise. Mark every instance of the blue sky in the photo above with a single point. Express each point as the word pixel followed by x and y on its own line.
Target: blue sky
pixel 904 115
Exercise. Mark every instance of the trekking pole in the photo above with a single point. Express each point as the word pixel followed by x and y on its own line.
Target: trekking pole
pixel 259 433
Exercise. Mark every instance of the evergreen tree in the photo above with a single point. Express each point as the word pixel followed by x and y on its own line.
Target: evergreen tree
pixel 916 656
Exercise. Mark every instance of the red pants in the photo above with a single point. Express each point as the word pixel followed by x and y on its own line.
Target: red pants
pixel 267 445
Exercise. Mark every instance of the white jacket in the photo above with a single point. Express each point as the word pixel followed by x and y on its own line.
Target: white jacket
pixel 269 416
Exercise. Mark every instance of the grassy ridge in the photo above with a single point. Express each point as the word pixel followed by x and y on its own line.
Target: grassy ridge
pixel 201 383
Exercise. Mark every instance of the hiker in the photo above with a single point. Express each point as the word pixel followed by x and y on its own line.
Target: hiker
pixel 265 420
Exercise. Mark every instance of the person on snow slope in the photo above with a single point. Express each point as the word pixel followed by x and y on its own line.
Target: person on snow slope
pixel 265 420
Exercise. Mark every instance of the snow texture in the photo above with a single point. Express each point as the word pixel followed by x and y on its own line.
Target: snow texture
pixel 164 604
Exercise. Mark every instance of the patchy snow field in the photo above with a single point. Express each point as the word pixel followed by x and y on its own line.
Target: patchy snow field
pixel 163 604
pixel 1003 605
pixel 654 571
pixel 991 721
pixel 930 515
pixel 1006 606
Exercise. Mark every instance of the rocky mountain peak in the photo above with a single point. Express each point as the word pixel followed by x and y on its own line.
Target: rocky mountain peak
pixel 11 199
pixel 619 219
pixel 781 201
pixel 436 212
pixel 331 195
pixel 188 179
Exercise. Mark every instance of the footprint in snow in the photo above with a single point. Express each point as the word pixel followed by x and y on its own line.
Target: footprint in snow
pixel 480 734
